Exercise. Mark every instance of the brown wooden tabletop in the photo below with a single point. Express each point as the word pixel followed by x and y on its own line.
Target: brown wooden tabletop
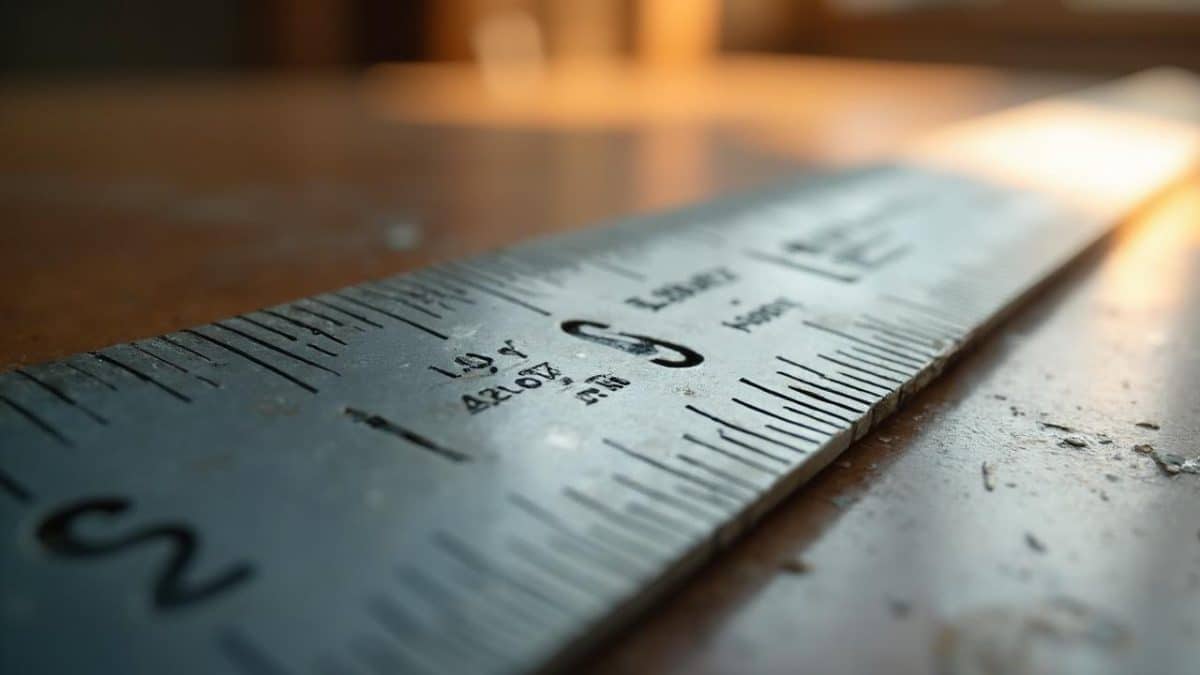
pixel 134 208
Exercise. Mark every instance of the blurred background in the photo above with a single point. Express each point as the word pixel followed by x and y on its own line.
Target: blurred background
pixel 186 160
pixel 81 37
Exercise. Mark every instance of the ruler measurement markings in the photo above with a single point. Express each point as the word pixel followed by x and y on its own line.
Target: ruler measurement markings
pixel 358 302
pixel 915 361
pixel 506 598
pixel 473 273
pixel 781 418
pixel 158 357
pixel 179 344
pixel 801 267
pixel 273 347
pixel 618 270
pixel 585 555
pixel 305 325
pixel 619 541
pixel 297 307
pixel 638 508
pixel 627 523
pixel 721 474
pixel 440 291
pixel 490 291
pixel 756 450
pixel 881 389
pixel 375 292
pixel 720 488
pixel 907 346
pixel 898 332
pixel 90 375
pixel 740 460
pixel 824 399
pixel 913 366
pixel 109 360
pixel 265 326
pixel 449 608
pixel 403 628
pixel 931 313
pixel 440 283
pixel 415 293
pixel 837 426
pixel 321 350
pixel 861 409
pixel 542 266
pixel 888 365
pixel 597 591
pixel 859 369
pixel 253 359
pixel 463 553
pixel 736 427
pixel 569 533
pixel 513 270
pixel 721 501
pixel 785 432
pixel 62 396
pixel 46 408
pixel 683 505
pixel 329 304
pixel 875 396
pixel 36 421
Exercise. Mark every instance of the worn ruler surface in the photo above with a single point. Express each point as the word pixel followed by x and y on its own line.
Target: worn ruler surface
pixel 484 465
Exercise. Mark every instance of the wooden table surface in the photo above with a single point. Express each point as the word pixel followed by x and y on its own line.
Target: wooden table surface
pixel 137 207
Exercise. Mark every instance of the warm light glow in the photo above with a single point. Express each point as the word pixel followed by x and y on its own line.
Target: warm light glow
pixel 677 32
pixel 1094 158
pixel 1172 225
pixel 776 99
pixel 508 45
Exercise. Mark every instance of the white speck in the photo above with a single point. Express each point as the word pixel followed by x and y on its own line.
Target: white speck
pixel 403 236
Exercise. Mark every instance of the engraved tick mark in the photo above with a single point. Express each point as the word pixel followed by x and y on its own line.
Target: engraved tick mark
pixel 389 427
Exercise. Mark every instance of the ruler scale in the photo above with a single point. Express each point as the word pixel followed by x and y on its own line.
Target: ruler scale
pixel 486 465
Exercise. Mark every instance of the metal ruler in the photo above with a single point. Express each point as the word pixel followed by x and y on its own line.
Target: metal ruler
pixel 484 465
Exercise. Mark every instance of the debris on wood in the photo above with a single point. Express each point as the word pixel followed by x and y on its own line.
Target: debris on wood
pixel 1034 543
pixel 1169 462
pixel 987 471
pixel 1075 441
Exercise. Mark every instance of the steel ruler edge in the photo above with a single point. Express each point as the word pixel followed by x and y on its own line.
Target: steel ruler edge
pixel 1062 182
pixel 671 581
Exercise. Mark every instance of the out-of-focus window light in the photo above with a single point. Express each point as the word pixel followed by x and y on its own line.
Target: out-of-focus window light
pixel 891 6
pixel 508 45
pixel 1137 5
